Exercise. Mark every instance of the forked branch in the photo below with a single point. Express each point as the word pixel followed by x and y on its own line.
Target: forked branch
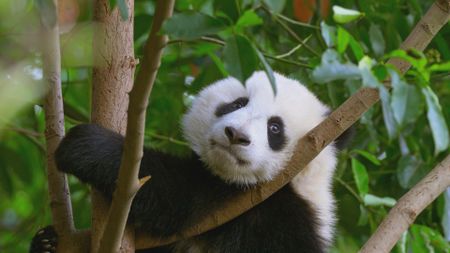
pixel 128 182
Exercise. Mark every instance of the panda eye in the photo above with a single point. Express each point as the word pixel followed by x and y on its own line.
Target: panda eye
pixel 274 128
pixel 276 133
pixel 238 104
pixel 231 107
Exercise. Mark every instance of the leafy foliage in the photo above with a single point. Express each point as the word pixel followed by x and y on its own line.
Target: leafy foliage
pixel 397 141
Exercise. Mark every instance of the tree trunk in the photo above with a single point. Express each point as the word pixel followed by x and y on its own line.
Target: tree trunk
pixel 114 66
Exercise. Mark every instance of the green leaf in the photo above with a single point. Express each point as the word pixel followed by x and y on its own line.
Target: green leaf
pixel 380 71
pixel 376 39
pixel 425 239
pixel 240 57
pixel 192 25
pixel 123 9
pixel 228 9
pixel 276 6
pixel 373 159
pixel 415 57
pixel 248 19
pixel 357 50
pixel 328 33
pixel 446 213
pixel 401 244
pixel 370 80
pixel 343 39
pixel 343 15
pixel 361 177
pixel 436 120
pixel 409 171
pixel 372 200
pixel 406 100
pixel 440 67
pixel 47 11
pixel 331 68
pixel 268 70
pixel 363 216
pixel 388 114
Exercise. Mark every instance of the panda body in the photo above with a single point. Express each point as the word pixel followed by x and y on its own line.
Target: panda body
pixel 241 136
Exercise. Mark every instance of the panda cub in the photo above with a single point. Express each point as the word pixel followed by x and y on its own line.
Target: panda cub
pixel 240 136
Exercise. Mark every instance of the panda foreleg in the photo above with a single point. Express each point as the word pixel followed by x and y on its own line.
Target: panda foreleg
pixel 92 154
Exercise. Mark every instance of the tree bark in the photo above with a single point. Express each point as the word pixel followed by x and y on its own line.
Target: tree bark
pixel 128 181
pixel 312 143
pixel 58 188
pixel 113 72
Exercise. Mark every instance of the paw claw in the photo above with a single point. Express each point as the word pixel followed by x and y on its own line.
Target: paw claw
pixel 44 241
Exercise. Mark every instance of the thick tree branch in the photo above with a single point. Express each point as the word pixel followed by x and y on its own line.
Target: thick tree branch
pixel 112 80
pixel 128 182
pixel 310 145
pixel 403 214
pixel 54 131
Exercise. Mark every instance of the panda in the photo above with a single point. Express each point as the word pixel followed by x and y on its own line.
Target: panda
pixel 240 135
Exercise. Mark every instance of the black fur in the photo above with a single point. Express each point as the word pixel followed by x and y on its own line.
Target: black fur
pixel 277 140
pixel 44 241
pixel 231 107
pixel 182 191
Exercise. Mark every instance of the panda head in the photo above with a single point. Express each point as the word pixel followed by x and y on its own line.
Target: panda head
pixel 246 134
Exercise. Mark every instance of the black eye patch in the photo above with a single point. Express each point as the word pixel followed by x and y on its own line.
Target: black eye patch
pixel 275 133
pixel 231 107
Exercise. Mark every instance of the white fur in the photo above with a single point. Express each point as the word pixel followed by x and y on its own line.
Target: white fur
pixel 300 111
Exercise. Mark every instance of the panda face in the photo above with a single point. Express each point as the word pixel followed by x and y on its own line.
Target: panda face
pixel 245 134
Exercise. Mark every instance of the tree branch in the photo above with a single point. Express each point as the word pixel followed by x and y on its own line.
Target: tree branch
pixel 424 31
pixel 58 188
pixel 128 182
pixel 403 214
pixel 312 143
pixel 112 79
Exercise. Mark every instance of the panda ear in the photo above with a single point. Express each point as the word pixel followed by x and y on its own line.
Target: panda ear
pixel 343 140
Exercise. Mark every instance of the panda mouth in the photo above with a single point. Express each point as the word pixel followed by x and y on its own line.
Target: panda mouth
pixel 228 150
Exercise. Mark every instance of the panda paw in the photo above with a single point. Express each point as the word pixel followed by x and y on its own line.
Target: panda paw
pixel 44 241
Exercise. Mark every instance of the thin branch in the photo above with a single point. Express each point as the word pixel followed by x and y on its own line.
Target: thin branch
pixel 308 147
pixel 299 64
pixel 128 182
pixel 30 135
pixel 295 22
pixel 289 20
pixel 349 189
pixel 403 214
pixel 290 31
pixel 54 131
pixel 24 131
pixel 203 38
pixel 167 138
pixel 275 58
pixel 290 52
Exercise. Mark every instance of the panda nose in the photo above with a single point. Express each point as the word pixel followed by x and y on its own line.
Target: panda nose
pixel 236 137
